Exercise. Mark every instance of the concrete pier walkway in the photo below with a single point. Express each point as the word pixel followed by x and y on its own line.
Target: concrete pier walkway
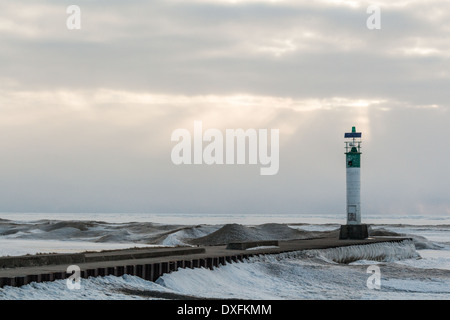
pixel 151 263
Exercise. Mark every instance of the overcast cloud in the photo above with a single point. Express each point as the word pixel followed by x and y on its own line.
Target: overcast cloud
pixel 86 115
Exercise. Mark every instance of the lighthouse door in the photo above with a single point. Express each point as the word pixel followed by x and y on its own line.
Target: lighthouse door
pixel 351 213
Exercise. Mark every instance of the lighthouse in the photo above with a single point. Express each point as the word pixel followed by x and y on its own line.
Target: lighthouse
pixel 353 229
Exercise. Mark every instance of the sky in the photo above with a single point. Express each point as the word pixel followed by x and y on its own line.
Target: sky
pixel 86 115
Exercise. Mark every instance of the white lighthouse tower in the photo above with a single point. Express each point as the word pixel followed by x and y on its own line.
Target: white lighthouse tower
pixel 353 229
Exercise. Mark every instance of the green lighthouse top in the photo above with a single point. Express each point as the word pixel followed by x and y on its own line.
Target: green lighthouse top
pixel 354 145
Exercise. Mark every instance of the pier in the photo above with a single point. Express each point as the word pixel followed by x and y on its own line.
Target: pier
pixel 150 263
